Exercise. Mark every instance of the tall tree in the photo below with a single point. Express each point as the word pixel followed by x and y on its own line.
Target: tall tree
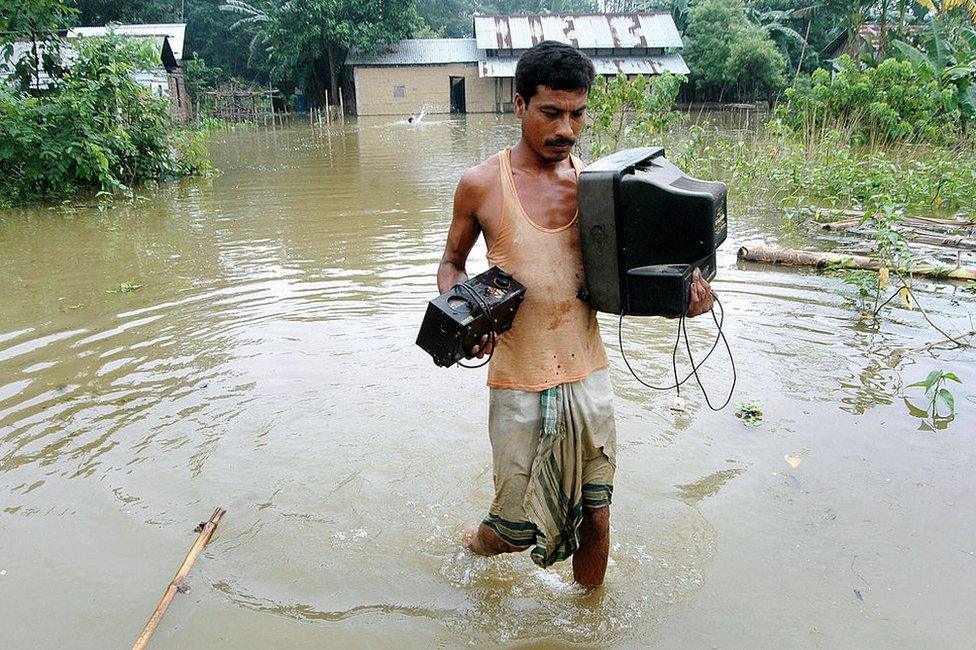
pixel 102 12
pixel 726 53
pixel 306 41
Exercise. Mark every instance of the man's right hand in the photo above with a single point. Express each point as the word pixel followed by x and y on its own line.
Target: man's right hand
pixel 484 346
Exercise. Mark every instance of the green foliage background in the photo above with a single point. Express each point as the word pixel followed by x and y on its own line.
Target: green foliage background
pixel 98 131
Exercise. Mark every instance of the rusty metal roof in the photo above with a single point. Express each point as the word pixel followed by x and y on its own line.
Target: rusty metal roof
pixel 420 51
pixel 585 31
pixel 608 65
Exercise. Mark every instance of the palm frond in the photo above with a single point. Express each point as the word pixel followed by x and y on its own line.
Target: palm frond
pixel 241 7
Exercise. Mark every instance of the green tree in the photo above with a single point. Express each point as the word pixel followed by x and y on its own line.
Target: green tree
pixel 948 53
pixel 757 65
pixel 708 45
pixel 448 18
pixel 729 56
pixel 102 12
pixel 306 41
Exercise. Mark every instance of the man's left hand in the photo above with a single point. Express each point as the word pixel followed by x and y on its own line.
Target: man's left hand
pixel 701 295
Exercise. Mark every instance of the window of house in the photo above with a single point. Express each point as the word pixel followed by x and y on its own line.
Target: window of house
pixel 399 91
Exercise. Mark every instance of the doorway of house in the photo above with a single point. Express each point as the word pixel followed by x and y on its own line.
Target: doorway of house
pixel 457 95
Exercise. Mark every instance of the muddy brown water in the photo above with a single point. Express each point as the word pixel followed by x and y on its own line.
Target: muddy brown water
pixel 267 365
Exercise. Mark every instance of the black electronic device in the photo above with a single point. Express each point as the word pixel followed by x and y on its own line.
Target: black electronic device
pixel 644 227
pixel 457 319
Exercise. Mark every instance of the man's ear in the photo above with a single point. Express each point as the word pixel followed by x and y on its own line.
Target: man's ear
pixel 520 105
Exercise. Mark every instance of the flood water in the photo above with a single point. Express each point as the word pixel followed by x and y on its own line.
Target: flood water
pixel 266 364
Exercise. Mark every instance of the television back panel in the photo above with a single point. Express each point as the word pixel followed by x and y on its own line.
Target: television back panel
pixel 637 210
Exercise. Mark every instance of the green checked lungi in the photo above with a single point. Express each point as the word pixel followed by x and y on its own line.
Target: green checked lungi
pixel 554 453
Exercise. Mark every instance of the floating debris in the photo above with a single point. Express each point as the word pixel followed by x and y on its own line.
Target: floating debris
pixel 750 413
pixel 125 287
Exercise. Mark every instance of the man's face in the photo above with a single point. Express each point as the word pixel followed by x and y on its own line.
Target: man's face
pixel 551 121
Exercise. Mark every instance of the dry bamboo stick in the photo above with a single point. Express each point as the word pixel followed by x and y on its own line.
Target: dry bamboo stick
pixel 790 257
pixel 843 224
pixel 920 235
pixel 920 221
pixel 202 539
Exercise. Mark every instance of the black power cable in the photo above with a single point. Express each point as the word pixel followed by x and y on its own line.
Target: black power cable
pixel 683 330
pixel 483 304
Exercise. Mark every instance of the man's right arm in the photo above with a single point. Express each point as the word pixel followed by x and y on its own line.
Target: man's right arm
pixel 461 238
pixel 462 235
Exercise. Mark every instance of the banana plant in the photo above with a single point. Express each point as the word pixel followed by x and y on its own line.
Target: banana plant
pixel 951 60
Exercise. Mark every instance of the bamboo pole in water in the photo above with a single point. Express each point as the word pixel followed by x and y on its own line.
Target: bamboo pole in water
pixel 202 539
pixel 931 238
pixel 791 257
pixel 935 222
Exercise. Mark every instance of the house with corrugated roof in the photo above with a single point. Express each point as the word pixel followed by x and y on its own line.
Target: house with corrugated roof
pixel 476 75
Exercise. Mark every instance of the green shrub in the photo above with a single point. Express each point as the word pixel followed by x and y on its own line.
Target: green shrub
pixel 630 112
pixel 898 101
pixel 99 130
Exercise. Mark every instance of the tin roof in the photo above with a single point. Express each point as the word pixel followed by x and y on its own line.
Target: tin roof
pixel 585 31
pixel 162 34
pixel 416 51
pixel 175 32
pixel 609 65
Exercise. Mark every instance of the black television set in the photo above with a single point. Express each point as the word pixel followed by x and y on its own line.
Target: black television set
pixel 644 227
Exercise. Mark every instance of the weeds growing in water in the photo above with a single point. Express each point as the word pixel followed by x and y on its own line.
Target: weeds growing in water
pixel 770 162
pixel 937 393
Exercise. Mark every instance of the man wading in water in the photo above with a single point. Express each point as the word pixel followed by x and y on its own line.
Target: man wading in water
pixel 550 416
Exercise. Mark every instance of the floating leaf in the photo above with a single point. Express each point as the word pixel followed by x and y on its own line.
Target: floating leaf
pixel 126 287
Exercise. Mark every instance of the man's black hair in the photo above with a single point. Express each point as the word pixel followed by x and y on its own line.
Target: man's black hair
pixel 553 64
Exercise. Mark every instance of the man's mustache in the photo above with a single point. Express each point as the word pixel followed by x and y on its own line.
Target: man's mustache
pixel 559 142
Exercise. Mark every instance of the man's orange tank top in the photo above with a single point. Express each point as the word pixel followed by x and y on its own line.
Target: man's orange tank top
pixel 555 338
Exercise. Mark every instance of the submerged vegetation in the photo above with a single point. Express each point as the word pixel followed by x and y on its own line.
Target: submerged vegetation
pixel 95 129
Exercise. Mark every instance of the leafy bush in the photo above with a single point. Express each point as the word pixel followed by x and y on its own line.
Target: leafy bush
pixel 898 101
pixel 630 112
pixel 99 130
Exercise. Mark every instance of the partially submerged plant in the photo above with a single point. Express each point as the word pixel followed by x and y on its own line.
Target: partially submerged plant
pixel 125 287
pixel 750 413
pixel 936 392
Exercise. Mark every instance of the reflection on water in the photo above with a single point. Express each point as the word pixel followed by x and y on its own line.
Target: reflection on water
pixel 267 365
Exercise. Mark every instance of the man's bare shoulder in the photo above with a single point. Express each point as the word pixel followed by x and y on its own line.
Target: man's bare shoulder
pixel 479 180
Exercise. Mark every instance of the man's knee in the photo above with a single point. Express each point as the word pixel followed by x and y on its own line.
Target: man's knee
pixel 596 521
